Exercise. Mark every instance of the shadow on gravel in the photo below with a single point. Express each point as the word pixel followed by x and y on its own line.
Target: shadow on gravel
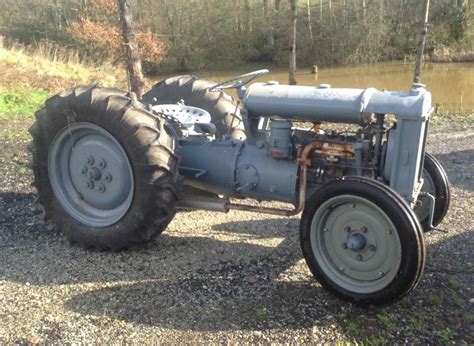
pixel 220 297
pixel 457 165
pixel 197 283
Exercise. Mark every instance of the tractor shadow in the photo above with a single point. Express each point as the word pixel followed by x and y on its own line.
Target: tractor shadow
pixel 222 298
pixel 192 282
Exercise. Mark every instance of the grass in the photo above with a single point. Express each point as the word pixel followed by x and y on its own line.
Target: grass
pixel 386 321
pixel 19 102
pixel 29 76
pixel 52 69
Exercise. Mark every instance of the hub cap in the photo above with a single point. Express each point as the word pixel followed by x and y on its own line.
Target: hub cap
pixel 90 174
pixel 355 243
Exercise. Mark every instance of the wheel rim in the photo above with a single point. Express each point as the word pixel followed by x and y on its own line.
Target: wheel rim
pixel 355 244
pixel 90 174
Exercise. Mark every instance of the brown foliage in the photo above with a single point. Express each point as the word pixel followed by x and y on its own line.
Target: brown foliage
pixel 98 24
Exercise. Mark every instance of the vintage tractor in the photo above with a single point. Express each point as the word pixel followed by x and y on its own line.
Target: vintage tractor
pixel 111 171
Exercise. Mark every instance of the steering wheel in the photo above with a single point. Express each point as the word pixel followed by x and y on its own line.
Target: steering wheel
pixel 237 82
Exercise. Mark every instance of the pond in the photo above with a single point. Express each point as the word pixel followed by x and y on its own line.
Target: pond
pixel 452 84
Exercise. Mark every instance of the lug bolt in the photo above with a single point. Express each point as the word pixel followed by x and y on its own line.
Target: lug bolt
pixel 342 269
pixel 353 205
pixel 89 185
pixel 90 160
pixel 364 229
pixel 347 229
pixel 101 187
pixel 108 177
pixel 372 247
pixel 326 229
pixel 359 257
pixel 382 274
pixel 83 170
pixel 389 231
pixel 344 246
pixel 102 163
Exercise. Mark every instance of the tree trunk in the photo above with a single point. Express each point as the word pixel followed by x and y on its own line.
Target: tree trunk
pixel 364 12
pixel 248 16
pixel 269 41
pixel 421 44
pixel 277 5
pixel 294 16
pixel 310 27
pixel 134 63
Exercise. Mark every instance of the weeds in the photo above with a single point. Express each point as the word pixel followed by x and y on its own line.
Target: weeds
pixel 386 320
pixel 446 335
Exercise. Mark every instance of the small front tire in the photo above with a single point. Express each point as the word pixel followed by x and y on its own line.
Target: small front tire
pixel 362 242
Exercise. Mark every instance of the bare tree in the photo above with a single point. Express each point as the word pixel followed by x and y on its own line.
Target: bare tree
pixel 134 63
pixel 310 27
pixel 421 44
pixel 294 16
pixel 269 40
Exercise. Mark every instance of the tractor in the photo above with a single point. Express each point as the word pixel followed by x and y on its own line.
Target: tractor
pixel 111 170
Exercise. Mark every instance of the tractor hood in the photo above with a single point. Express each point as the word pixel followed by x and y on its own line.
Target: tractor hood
pixel 337 105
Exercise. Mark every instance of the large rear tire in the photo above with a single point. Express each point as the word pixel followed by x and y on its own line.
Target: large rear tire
pixel 224 111
pixel 362 242
pixel 104 168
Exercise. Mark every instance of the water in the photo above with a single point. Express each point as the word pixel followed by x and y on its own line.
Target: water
pixel 452 84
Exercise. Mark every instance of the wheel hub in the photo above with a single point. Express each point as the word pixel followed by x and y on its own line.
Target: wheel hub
pixel 356 242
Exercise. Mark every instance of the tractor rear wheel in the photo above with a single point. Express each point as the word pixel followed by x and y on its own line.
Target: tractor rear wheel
pixel 224 110
pixel 104 167
pixel 362 242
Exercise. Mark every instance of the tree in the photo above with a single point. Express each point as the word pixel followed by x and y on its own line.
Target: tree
pixel 294 17
pixel 134 63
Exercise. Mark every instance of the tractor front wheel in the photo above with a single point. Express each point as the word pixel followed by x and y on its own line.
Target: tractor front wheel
pixel 104 168
pixel 362 242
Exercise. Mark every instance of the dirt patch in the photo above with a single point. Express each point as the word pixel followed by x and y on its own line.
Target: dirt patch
pixel 217 277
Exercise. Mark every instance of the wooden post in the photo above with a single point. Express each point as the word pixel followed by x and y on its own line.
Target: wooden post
pixel 421 44
pixel 292 70
pixel 133 61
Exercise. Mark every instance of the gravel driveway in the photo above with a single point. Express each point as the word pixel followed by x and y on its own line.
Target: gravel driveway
pixel 218 277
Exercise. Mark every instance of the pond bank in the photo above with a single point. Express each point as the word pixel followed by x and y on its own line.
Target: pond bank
pixel 446 55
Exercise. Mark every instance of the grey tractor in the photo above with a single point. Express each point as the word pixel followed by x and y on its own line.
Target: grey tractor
pixel 111 170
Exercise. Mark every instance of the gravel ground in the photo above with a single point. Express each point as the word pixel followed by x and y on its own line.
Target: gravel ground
pixel 211 277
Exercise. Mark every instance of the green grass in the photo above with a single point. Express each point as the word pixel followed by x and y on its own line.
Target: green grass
pixel 386 321
pixel 20 102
